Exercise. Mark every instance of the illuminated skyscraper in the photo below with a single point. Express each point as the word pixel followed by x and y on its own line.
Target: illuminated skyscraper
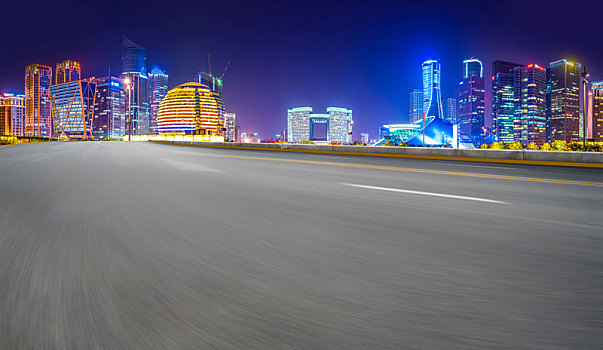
pixel 564 110
pixel 109 109
pixel 597 111
pixel 38 119
pixel 298 124
pixel 158 87
pixel 340 125
pixel 471 100
pixel 503 103
pixel 432 97
pixel 229 125
pixel 416 105
pixel 134 75
pixel 12 114
pixel 73 109
pixel 67 71
pixel 529 89
pixel 211 81
pixel 451 110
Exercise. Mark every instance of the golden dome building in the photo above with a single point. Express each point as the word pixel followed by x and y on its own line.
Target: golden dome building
pixel 191 109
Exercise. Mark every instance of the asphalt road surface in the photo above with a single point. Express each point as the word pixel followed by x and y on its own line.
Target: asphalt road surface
pixel 112 245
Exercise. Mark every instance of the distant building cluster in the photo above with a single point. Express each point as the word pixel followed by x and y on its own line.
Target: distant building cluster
pixel 61 104
pixel 530 103
pixel 335 126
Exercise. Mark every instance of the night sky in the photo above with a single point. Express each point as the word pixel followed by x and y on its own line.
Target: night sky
pixel 363 55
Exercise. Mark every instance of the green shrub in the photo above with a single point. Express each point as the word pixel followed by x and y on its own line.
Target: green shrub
pixel 497 145
pixel 546 147
pixel 532 146
pixel 484 146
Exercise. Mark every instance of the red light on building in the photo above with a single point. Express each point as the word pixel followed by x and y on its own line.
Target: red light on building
pixel 530 65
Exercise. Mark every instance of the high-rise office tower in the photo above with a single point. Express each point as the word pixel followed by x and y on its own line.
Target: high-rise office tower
pixel 12 114
pixel 298 124
pixel 471 100
pixel 451 110
pixel 432 97
pixel 340 125
pixel 503 103
pixel 73 109
pixel 109 109
pixel 529 89
pixel 67 71
pixel 416 105
pixel 229 125
pixel 564 100
pixel 38 115
pixel 211 81
pixel 597 111
pixel 134 76
pixel 158 88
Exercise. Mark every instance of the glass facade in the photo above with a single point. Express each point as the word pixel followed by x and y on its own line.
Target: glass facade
pixel 73 109
pixel 109 109
pixel 597 111
pixel 416 105
pixel 158 87
pixel 213 82
pixel 67 71
pixel 503 102
pixel 229 125
pixel 529 87
pixel 563 100
pixel 12 114
pixel 134 76
pixel 191 109
pixel 451 110
pixel 133 58
pixel 471 101
pixel 298 124
pixel 432 98
pixel 340 125
pixel 38 115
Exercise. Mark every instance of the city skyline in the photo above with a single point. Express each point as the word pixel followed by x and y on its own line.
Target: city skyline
pixel 259 87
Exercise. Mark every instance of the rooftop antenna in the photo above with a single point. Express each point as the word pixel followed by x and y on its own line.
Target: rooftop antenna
pixel 208 64
pixel 225 69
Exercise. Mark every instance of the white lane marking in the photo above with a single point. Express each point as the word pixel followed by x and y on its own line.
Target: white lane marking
pixel 475 166
pixel 186 166
pixel 477 199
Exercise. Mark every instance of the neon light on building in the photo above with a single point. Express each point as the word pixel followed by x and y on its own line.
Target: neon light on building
pixel 432 98
pixel 191 109
pixel 73 109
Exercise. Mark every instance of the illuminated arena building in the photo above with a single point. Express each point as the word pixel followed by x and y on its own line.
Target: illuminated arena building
pixel 436 133
pixel 191 109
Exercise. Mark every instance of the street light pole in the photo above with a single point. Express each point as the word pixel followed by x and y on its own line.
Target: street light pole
pixel 585 103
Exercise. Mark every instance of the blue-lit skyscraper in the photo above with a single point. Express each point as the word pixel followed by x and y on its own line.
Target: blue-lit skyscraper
pixel 158 87
pixel 109 109
pixel 134 76
pixel 416 105
pixel 432 98
pixel 503 105
pixel 471 100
